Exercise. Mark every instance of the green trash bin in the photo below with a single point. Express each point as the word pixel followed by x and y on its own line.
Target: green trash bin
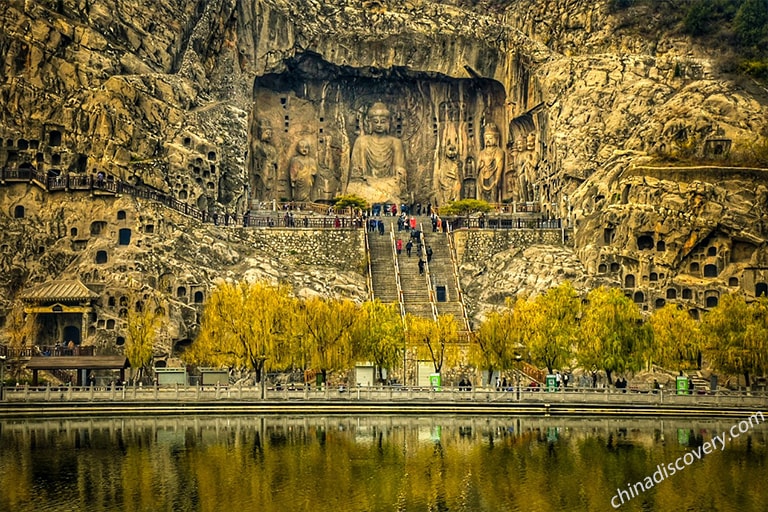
pixel 681 385
pixel 435 381
pixel 551 383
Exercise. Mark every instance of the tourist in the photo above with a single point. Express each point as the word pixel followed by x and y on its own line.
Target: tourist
pixel 408 247
pixel 421 265
pixel 399 246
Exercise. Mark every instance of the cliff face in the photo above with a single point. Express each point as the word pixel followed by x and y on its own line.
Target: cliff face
pixel 208 102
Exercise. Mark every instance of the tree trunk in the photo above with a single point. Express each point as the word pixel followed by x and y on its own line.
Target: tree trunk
pixel 608 376
pixel 746 379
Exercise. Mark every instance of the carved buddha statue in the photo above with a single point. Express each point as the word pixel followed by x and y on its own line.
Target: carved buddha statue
pixel 490 165
pixel 302 170
pixel 378 159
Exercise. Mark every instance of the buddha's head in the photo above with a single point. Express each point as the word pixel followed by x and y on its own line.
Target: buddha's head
pixel 378 117
pixel 302 147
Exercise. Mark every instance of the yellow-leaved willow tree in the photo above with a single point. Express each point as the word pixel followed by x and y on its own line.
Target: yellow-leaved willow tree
pixel 379 335
pixel 613 336
pixel 553 326
pixel 144 320
pixel 324 330
pixel 245 326
pixel 676 342
pixel 498 338
pixel 21 329
pixel 435 340
pixel 735 335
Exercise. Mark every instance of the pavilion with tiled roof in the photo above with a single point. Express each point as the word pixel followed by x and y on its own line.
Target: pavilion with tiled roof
pixel 62 308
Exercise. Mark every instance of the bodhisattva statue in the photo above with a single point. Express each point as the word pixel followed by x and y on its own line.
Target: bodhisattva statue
pixel 378 160
pixel 302 171
pixel 490 165
pixel 448 182
pixel 264 158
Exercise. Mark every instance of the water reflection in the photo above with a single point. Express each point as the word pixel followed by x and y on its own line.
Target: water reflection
pixel 370 464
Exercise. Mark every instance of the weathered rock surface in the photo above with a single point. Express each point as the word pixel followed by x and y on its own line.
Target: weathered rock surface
pixel 124 248
pixel 176 96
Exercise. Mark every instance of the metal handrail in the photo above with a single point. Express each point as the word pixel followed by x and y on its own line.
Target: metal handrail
pixel 370 271
pixel 401 299
pixel 460 293
pixel 428 276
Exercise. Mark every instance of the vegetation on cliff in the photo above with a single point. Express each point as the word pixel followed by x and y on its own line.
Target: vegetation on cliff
pixel 738 26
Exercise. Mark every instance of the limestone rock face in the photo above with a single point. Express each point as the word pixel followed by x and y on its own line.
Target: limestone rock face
pixel 130 249
pixel 524 271
pixel 207 102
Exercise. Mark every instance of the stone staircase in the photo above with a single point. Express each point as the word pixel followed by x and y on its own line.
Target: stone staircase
pixel 416 299
pixel 383 278
pixel 419 298
pixel 444 282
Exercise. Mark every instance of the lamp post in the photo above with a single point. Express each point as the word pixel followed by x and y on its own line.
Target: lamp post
pixel 2 377
pixel 518 358
pixel 263 381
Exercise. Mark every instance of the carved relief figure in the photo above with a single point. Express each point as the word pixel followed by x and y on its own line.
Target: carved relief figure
pixel 378 159
pixel 469 183
pixel 264 158
pixel 490 164
pixel 302 171
pixel 448 179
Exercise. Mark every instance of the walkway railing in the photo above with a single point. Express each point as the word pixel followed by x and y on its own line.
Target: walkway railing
pixel 757 400
pixel 282 216
pixel 501 223
pixel 281 213
pixel 46 350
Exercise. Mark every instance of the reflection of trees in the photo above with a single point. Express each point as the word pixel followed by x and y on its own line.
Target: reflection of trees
pixel 212 464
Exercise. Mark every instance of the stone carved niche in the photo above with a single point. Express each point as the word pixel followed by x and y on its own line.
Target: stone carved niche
pixel 357 121
pixel 523 157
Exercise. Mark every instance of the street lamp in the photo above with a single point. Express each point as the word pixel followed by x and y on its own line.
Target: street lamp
pixel 518 358
pixel 2 377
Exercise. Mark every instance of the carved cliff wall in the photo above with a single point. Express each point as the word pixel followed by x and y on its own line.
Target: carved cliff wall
pixel 223 104
pixel 123 247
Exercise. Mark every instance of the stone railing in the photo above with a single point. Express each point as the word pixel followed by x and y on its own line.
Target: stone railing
pixel 283 215
pixel 275 214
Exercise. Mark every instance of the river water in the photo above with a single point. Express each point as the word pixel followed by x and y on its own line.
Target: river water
pixel 381 463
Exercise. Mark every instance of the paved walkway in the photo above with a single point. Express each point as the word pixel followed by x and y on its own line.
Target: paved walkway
pixel 61 401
